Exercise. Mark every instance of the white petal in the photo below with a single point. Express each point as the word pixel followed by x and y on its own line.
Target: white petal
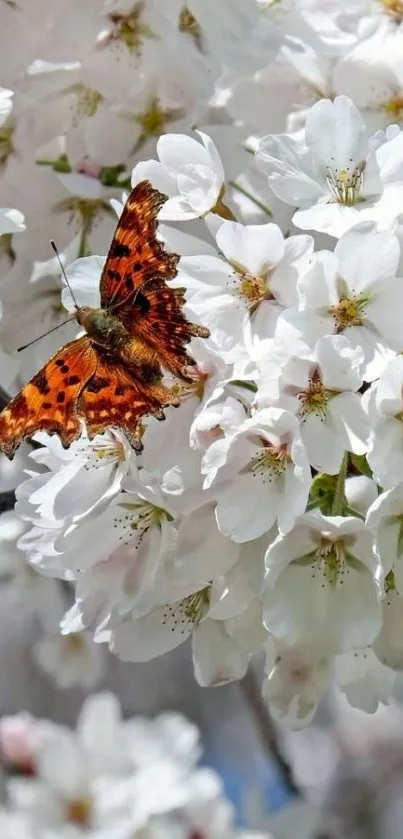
pixel 150 636
pixel 290 169
pixel 246 508
pixel 336 133
pixel 253 247
pixel 84 275
pixel 367 256
pixel 176 150
pixel 333 218
pixel 217 658
pixel 11 221
pixel 155 172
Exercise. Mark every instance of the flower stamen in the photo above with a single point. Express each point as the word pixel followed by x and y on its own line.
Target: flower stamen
pixel 331 560
pixel 394 8
pixel 269 462
pixel 315 398
pixel 349 311
pixel 346 185
pixel 190 610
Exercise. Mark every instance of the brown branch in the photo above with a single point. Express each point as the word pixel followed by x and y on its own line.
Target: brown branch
pixel 266 727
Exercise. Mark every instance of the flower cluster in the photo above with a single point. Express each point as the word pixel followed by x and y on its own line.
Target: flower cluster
pixel 266 513
pixel 110 778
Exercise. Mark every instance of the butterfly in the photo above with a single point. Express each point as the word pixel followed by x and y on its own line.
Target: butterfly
pixel 111 377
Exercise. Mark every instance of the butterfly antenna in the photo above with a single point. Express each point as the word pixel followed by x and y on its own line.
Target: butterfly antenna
pixel 54 248
pixel 69 320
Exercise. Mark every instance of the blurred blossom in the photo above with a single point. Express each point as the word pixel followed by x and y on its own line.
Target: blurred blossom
pixel 265 515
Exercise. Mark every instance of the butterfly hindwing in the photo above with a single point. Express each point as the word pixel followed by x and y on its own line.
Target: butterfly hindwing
pixel 49 401
pixel 112 398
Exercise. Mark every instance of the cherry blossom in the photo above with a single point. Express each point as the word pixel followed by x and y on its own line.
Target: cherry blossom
pixel 263 517
pixel 338 175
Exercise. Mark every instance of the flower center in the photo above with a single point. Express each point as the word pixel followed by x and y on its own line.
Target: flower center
pixel 346 184
pixel 84 214
pixel 6 140
pixel 194 388
pixel 190 610
pixel 154 120
pixel 78 811
pixel 87 101
pixel 390 584
pixel 6 247
pixel 269 462
pixel 252 288
pixel 394 107
pixel 349 311
pixel 331 560
pixel 102 454
pixel 394 8
pixel 315 398
pixel 72 644
pixel 129 29
pixel 188 23
pixel 138 520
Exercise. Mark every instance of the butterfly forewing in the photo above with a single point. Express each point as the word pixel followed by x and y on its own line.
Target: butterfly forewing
pixel 133 283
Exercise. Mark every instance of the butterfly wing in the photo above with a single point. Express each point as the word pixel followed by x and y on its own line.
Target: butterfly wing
pixel 112 398
pixel 133 283
pixel 49 401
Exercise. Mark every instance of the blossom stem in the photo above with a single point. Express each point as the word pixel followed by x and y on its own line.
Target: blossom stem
pixel 339 499
pixel 349 511
pixel 251 197
pixel 266 727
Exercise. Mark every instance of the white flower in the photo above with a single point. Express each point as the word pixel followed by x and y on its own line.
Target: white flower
pixel 6 104
pixel 321 585
pixel 79 478
pixel 190 173
pixel 258 476
pixel 31 592
pixel 385 405
pixel 70 660
pixel 125 544
pixel 259 276
pixel 295 680
pixel 11 221
pixel 388 644
pixel 353 291
pixel 337 175
pixel 321 391
pixel 182 611
pixel 363 679
pixel 385 519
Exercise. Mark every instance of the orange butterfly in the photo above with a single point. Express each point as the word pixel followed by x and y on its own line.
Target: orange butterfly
pixel 112 376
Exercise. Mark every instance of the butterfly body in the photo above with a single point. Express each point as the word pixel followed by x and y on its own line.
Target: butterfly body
pixel 111 377
pixel 103 327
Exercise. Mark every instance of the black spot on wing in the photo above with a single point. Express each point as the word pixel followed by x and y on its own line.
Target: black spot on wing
pixel 96 384
pixel 140 302
pixel 118 250
pixel 40 381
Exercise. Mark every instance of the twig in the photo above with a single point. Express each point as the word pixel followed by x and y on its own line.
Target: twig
pixel 269 734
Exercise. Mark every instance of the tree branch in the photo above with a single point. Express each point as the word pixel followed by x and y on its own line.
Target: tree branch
pixel 269 734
